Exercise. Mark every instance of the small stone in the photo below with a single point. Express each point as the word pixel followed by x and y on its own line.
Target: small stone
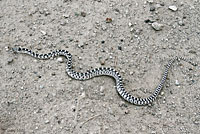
pixel 116 10
pixel 122 104
pixel 181 23
pixel 173 8
pixel 132 29
pixel 108 20
pixel 102 61
pixel 7 48
pixel 43 32
pixel 196 121
pixel 73 108
pixel 47 121
pixel 119 48
pixel 10 60
pixel 177 83
pixel 138 31
pixel 63 23
pixel 23 67
pixel 41 86
pixel 66 15
pixel 60 59
pixel 126 111
pixel 148 21
pixel 130 24
pixel 150 1
pixel 46 12
pixel 152 8
pixel 192 52
pixel 53 74
pixel 102 41
pixel 83 95
pixel 83 14
pixel 162 3
pixel 162 93
pixel 157 26
pixel 102 89
pixel 104 28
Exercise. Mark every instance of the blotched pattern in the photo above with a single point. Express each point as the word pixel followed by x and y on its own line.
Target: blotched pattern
pixel 104 71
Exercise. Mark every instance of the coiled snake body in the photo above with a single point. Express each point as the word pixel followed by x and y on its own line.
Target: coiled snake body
pixel 104 71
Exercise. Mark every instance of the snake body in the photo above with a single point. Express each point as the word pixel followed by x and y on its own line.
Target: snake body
pixel 104 71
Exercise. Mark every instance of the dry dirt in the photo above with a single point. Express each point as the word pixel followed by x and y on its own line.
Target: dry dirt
pixel 38 97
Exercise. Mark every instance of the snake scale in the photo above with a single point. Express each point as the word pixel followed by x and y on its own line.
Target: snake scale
pixel 106 72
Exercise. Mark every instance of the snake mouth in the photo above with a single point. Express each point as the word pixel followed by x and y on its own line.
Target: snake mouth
pixel 16 49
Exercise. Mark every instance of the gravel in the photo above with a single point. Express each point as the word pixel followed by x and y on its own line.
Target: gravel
pixel 173 8
pixel 157 26
pixel 37 96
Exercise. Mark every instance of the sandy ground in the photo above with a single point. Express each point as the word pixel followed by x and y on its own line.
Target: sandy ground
pixel 38 97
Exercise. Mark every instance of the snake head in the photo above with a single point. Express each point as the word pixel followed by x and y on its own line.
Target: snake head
pixel 16 49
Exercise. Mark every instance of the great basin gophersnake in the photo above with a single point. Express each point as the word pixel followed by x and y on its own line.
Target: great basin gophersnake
pixel 104 71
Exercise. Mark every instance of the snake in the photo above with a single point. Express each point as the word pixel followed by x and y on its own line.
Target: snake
pixel 104 71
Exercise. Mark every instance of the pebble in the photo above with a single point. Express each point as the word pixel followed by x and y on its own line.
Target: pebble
pixel 102 61
pixel 41 86
pixel 148 21
pixel 47 121
pixel 73 107
pixel 63 23
pixel 162 93
pixel 43 32
pixel 108 20
pixel 192 52
pixel 122 104
pixel 60 59
pixel 119 48
pixel 53 74
pixel 126 111
pixel 152 8
pixel 35 60
pixel 150 1
pixel 104 28
pixel 102 89
pixel 66 15
pixel 177 83
pixel 181 23
pixel 10 60
pixel 157 26
pixel 173 8
pixel 131 73
pixel 7 48
pixel 83 14
pixel 23 67
pixel 83 95
pixel 196 122
pixel 130 24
